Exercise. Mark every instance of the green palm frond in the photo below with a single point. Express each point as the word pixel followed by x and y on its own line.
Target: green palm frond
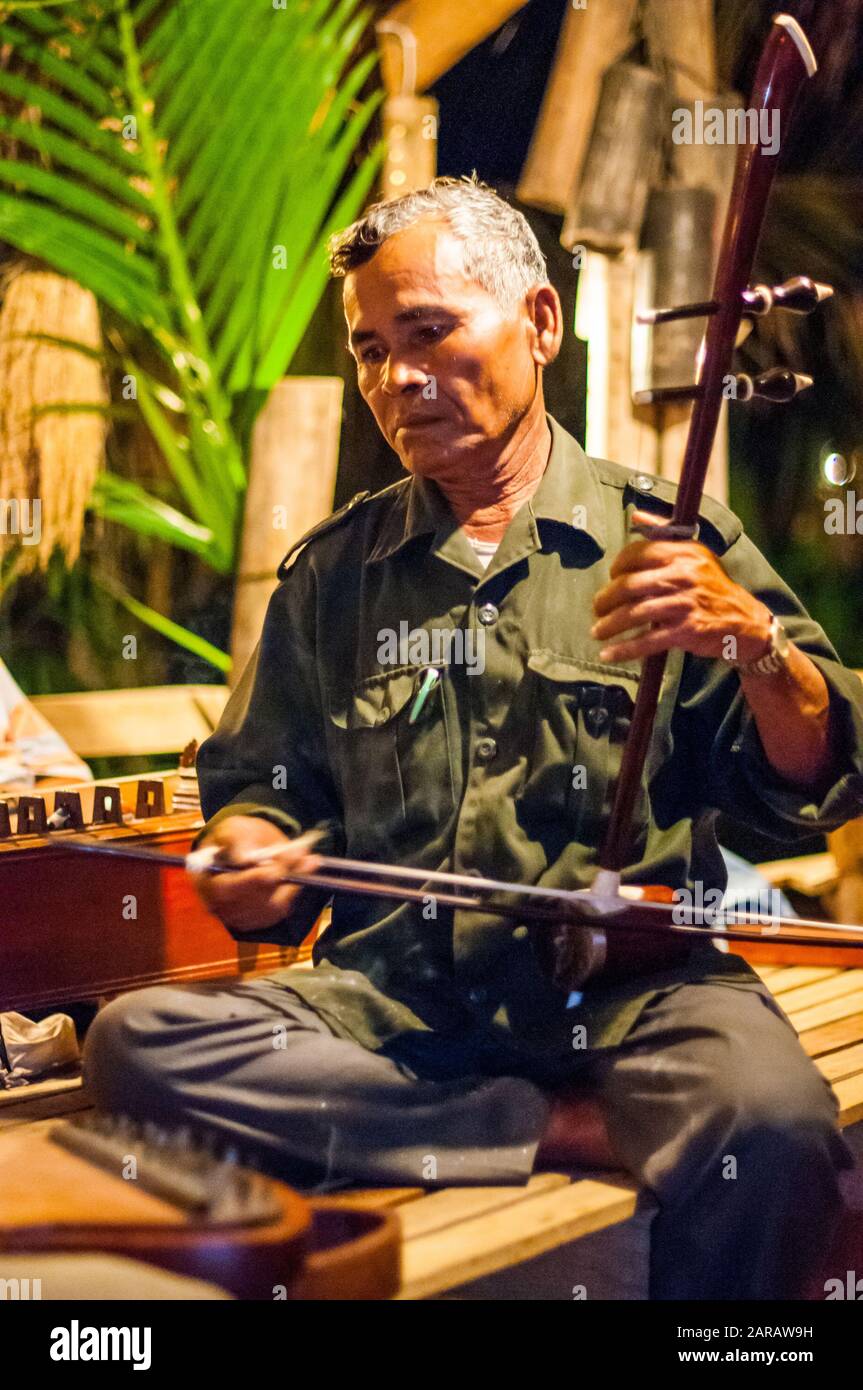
pixel 175 632
pixel 186 163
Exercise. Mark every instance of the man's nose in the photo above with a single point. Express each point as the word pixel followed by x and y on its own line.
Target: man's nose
pixel 400 375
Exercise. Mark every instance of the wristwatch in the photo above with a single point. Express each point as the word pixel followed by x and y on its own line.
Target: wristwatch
pixel 773 660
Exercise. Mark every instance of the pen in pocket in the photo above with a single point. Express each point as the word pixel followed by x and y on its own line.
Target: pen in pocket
pixel 431 677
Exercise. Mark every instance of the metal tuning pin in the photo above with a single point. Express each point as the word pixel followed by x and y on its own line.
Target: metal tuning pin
pixel 680 311
pixel 800 295
pixel 657 395
pixel 779 384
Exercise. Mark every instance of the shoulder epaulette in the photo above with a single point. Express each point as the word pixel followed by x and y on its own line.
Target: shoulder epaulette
pixel 328 523
pixel 726 527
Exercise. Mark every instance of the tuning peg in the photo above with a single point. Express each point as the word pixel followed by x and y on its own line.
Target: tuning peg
pixel 800 295
pixel 659 395
pixel 680 311
pixel 779 384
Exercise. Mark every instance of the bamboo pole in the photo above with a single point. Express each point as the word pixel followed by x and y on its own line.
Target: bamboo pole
pixel 420 40
pixel 410 130
pixel 683 37
pixel 591 39
pixel 295 449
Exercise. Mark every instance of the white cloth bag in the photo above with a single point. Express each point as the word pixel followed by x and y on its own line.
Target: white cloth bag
pixel 34 1048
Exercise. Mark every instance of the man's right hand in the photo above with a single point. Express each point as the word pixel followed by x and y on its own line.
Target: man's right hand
pixel 255 897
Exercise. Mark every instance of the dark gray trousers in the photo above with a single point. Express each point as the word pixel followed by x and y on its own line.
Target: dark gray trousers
pixel 710 1102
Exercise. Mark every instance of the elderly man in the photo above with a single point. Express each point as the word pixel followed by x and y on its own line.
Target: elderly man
pixel 444 680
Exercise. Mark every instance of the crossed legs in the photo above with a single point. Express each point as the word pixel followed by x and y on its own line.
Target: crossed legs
pixel 710 1102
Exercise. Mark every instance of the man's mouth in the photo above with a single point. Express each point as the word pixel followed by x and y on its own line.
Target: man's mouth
pixel 419 422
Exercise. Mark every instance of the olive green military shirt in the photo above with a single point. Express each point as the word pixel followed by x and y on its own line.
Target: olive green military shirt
pixel 509 768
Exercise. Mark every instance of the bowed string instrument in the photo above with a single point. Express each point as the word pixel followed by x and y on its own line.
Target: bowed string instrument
pixel 611 928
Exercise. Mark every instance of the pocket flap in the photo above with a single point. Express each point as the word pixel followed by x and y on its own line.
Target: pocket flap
pixel 581 671
pixel 374 701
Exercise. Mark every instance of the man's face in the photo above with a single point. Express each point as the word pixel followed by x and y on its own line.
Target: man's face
pixel 444 369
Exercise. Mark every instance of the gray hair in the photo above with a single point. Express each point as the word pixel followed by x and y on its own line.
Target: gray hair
pixel 501 252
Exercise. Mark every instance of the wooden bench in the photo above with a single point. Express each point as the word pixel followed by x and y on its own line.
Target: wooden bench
pixel 457 1235
pixel 137 722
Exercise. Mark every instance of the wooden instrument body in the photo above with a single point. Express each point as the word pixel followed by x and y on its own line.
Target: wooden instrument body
pixel 77 927
pixel 775 953
pixel 56 1202
pixel 632 948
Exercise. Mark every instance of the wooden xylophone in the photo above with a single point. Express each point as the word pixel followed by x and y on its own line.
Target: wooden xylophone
pixel 79 927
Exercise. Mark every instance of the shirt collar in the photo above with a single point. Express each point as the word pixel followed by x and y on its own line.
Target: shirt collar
pixel 568 497
pixel 569 492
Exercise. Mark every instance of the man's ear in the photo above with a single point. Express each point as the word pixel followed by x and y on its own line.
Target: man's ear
pixel 546 317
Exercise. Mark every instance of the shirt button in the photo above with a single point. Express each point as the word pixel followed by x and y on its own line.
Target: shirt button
pixel 596 719
pixel 643 483
pixel 520 933
pixel 486 748
pixel 488 614
pixel 477 995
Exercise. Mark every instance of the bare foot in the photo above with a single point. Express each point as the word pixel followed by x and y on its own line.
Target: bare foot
pixel 575 1135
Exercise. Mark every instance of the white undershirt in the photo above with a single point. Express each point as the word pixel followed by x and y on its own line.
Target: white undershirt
pixel 483 550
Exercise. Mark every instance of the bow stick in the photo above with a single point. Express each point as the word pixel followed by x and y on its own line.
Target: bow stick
pixel 528 902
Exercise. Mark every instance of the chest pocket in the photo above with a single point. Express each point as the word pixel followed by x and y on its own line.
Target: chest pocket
pixel 397 779
pixel 581 717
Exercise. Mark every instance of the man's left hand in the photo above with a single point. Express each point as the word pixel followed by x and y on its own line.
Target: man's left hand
pixel 680 593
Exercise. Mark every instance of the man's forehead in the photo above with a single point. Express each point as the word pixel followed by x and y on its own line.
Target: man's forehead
pixel 421 265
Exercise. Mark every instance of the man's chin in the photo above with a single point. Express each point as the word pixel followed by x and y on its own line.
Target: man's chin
pixel 426 457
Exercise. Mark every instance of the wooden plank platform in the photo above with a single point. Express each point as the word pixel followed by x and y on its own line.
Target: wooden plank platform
pixel 457 1235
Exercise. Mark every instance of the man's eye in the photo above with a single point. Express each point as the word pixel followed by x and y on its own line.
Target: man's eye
pixel 431 332
pixel 370 354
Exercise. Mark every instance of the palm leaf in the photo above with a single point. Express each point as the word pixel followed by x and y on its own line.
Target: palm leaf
pixel 245 126
pixel 124 501
pixel 174 632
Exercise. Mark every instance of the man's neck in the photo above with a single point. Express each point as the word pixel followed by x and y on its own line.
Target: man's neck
pixel 485 501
